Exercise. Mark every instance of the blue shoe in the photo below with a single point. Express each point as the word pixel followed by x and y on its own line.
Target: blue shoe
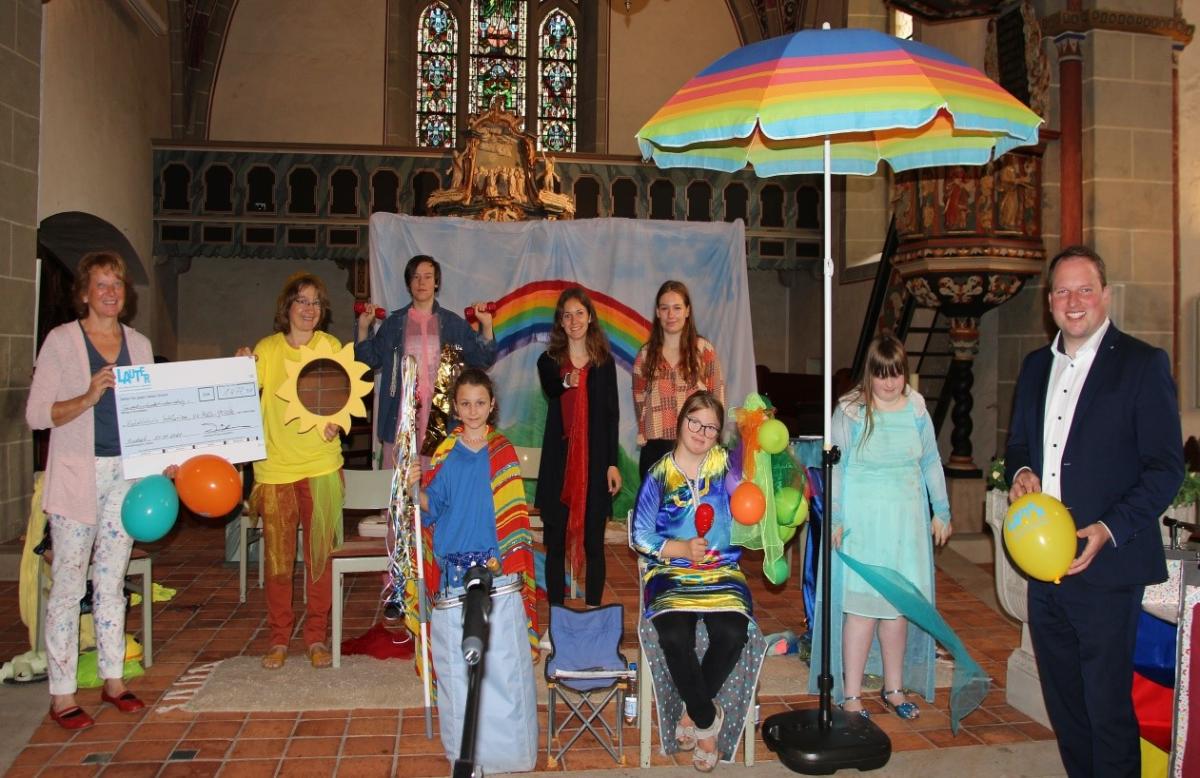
pixel 866 714
pixel 905 710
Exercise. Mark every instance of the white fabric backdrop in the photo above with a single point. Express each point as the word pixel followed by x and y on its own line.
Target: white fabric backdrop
pixel 626 259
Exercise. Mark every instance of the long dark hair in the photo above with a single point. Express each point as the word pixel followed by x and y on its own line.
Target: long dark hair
pixel 473 376
pixel 598 349
pixel 886 358
pixel 689 352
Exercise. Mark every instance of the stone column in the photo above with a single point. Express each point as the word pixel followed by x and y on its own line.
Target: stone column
pixel 20 112
pixel 964 341
pixel 1070 78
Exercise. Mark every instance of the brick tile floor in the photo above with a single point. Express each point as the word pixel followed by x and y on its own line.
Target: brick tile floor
pixel 205 622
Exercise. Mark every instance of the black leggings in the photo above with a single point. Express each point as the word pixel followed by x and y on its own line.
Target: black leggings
pixel 698 682
pixel 554 522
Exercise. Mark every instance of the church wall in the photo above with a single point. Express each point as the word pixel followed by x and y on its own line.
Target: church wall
pixel 105 95
pixel 20 108
pixel 1189 230
pixel 1023 321
pixel 228 303
pixel 654 51
pixel 867 212
pixel 302 73
pixel 1127 187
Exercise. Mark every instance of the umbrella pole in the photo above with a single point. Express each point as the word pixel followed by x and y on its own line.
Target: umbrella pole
pixel 829 455
pixel 820 742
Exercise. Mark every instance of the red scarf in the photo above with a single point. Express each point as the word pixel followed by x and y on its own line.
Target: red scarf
pixel 575 479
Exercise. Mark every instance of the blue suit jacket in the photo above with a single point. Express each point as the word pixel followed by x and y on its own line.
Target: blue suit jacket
pixel 1123 460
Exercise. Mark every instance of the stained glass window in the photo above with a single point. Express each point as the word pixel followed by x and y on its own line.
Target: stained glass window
pixel 437 77
pixel 557 71
pixel 497 55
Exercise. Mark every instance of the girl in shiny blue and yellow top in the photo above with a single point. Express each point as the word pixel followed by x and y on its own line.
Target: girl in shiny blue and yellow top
pixel 682 527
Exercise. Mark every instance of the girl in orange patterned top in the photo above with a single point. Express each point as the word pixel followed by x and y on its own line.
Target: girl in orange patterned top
pixel 674 364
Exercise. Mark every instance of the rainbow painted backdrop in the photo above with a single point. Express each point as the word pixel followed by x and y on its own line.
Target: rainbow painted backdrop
pixel 526 314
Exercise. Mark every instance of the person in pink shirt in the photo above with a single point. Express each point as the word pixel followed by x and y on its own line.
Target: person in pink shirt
pixel 72 395
pixel 418 329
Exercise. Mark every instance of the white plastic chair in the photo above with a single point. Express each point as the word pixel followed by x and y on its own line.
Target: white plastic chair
pixel 366 490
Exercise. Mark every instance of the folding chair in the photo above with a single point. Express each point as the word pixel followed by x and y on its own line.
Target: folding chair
pixel 586 669
pixel 646 689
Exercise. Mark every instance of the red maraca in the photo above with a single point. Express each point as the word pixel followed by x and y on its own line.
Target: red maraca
pixel 360 306
pixel 704 519
pixel 469 312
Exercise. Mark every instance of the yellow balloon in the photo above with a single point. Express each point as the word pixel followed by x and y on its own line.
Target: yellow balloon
pixel 1039 534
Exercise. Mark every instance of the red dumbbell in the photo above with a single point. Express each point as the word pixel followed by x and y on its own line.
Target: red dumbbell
pixel 469 312
pixel 360 306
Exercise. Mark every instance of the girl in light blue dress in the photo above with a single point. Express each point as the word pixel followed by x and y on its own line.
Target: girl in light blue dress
pixel 888 477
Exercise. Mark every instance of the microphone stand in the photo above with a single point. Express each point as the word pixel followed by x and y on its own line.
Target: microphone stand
pixel 477 608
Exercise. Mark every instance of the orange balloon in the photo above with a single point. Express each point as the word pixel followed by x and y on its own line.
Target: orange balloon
pixel 208 485
pixel 747 503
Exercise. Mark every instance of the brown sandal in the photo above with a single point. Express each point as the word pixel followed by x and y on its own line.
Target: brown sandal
pixel 320 656
pixel 275 657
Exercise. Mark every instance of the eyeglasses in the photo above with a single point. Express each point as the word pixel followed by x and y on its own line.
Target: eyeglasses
pixel 303 303
pixel 695 425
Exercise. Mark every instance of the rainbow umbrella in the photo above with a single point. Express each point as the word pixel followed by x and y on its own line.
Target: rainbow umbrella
pixel 836 101
pixel 876 97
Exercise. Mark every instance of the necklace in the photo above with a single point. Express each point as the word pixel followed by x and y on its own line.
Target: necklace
pixel 474 441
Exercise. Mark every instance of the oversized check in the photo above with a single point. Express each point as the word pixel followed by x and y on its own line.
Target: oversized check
pixel 170 412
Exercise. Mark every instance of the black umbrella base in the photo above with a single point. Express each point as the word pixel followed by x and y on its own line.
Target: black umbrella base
pixel 852 742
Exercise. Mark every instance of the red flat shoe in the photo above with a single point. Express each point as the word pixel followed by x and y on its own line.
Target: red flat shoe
pixel 72 718
pixel 126 702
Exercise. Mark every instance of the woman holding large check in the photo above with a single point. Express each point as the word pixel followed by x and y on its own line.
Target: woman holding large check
pixel 300 481
pixel 84 487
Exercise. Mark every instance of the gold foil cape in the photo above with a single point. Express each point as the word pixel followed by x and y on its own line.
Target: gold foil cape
pixel 441 405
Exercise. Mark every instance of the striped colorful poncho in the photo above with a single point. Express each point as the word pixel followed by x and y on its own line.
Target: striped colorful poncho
pixel 514 539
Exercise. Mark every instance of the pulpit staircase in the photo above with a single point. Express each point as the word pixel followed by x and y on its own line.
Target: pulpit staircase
pixel 924 332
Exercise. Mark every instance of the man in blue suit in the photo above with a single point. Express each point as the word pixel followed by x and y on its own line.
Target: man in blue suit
pixel 1096 424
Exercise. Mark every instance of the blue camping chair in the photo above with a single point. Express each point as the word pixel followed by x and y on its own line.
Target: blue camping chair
pixel 587 671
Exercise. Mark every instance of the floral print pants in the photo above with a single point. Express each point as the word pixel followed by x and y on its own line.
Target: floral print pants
pixel 106 546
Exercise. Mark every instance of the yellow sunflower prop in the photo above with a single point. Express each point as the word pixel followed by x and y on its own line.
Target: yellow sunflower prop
pixel 344 358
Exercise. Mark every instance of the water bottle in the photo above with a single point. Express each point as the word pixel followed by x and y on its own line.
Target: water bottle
pixel 631 700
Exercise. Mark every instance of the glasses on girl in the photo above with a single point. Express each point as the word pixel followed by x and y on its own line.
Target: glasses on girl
pixel 695 425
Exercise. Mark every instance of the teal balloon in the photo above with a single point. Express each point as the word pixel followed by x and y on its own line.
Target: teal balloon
pixel 150 508
pixel 787 500
pixel 773 436
pixel 777 572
